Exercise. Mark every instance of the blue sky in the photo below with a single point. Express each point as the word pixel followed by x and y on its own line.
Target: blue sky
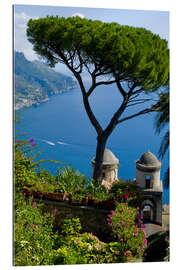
pixel 156 21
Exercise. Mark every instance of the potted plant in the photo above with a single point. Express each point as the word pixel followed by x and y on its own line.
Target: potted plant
pixel 84 201
pixel 26 191
pixel 100 195
pixel 49 194
pixel 76 199
pixel 109 203
pixel 37 190
pixel 60 193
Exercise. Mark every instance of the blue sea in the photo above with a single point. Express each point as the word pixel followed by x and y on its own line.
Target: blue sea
pixel 62 131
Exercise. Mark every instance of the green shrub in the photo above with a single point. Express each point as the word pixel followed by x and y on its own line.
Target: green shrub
pixel 86 248
pixel 71 226
pixel 33 234
pixel 75 248
pixel 24 173
pixel 158 247
pixel 126 191
pixel 71 180
pixel 127 228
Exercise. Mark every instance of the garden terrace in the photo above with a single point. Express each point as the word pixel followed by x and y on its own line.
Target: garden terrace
pixel 93 220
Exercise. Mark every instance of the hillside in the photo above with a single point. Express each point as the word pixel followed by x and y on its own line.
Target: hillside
pixel 35 82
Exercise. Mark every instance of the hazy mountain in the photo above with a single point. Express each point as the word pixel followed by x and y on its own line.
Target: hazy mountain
pixel 35 82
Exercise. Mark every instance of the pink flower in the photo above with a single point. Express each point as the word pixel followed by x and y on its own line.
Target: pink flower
pixel 31 140
pixel 108 219
pixel 38 226
pixel 33 144
pixel 123 223
pixel 53 212
pixel 121 239
pixel 112 212
pixel 31 225
pixel 34 204
pixel 142 229
pixel 110 224
pixel 126 196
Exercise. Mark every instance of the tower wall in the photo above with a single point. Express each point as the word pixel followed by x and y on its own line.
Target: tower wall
pixel 148 179
pixel 155 182
pixel 109 172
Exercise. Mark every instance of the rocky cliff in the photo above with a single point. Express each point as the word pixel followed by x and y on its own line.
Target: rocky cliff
pixel 35 82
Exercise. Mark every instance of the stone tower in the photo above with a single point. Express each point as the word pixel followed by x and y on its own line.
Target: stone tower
pixel 109 168
pixel 148 179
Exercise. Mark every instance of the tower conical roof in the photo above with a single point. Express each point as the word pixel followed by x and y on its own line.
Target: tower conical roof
pixel 108 158
pixel 148 160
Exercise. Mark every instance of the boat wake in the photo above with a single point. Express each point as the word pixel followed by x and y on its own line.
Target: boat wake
pixel 48 142
pixel 59 142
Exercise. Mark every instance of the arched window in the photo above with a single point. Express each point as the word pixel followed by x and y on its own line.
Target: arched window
pixel 148 181
pixel 147 213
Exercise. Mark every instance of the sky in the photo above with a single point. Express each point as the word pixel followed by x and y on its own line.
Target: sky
pixel 155 21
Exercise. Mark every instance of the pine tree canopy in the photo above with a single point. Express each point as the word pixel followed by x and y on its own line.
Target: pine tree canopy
pixel 125 53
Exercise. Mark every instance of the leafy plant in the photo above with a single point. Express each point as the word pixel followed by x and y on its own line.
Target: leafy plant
pixel 158 241
pixel 71 226
pixel 126 191
pixel 71 180
pixel 33 234
pixel 127 228
pixel 75 248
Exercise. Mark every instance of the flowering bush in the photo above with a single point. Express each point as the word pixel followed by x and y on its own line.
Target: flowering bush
pixel 24 173
pixel 128 229
pixel 126 191
pixel 28 172
pixel 33 234
pixel 75 248
pixel 36 243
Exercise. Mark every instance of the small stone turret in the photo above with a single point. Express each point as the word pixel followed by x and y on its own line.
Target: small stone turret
pixel 148 172
pixel 109 168
pixel 148 179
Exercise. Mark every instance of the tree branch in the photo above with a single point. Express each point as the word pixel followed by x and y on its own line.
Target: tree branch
pixel 138 101
pixel 123 93
pixel 89 112
pixel 97 84
pixel 138 91
pixel 136 114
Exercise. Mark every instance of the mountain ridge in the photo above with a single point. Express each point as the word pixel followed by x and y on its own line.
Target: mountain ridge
pixel 35 82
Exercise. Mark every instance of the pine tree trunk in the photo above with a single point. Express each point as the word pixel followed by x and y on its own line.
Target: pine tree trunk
pixel 101 143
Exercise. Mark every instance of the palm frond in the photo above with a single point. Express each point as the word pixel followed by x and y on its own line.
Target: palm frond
pixel 164 145
pixel 166 179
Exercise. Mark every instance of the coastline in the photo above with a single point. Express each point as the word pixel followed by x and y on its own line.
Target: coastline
pixel 27 102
